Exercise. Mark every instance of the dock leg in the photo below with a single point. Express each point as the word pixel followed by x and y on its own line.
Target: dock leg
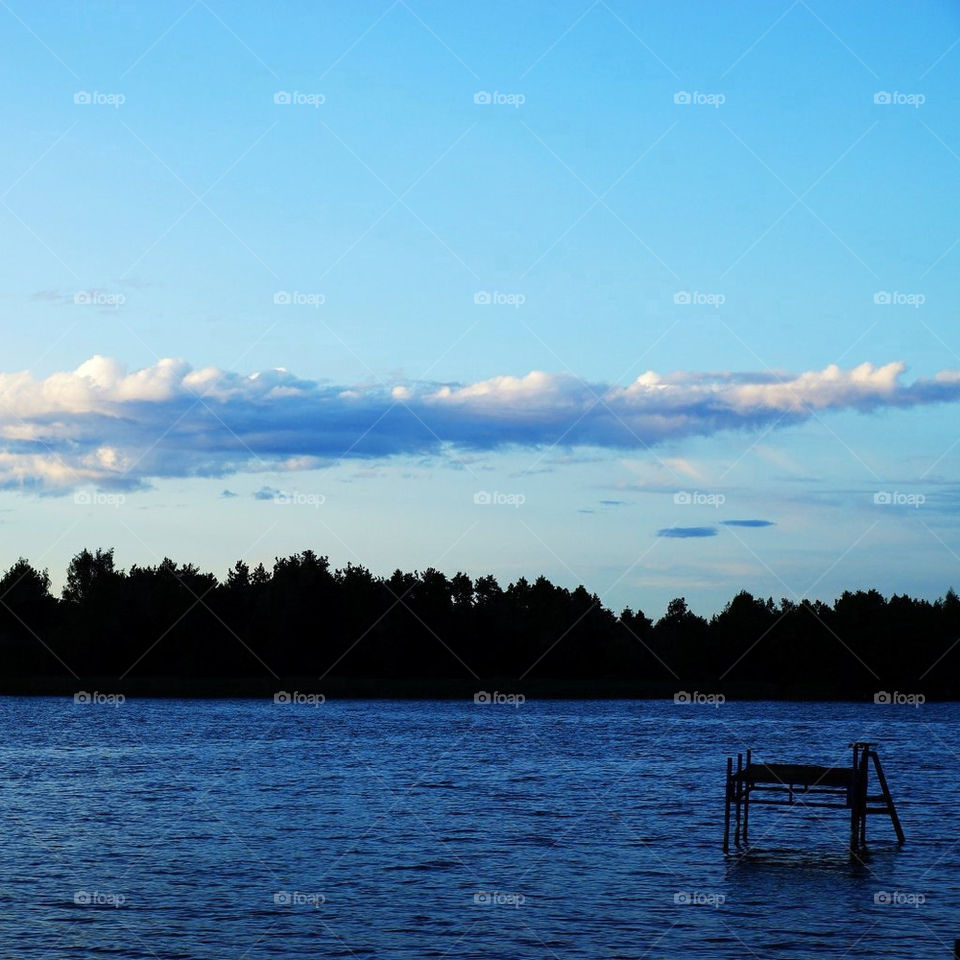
pixel 865 764
pixel 885 790
pixel 746 805
pixel 726 805
pixel 855 798
pixel 737 802
pixel 858 813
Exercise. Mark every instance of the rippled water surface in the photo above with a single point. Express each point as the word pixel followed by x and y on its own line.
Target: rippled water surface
pixel 241 829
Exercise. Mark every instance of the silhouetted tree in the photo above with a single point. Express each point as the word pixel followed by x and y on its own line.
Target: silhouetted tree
pixel 27 616
pixel 176 624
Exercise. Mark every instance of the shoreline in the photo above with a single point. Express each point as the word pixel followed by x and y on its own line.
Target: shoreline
pixel 377 688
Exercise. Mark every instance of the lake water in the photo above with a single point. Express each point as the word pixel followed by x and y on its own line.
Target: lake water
pixel 237 829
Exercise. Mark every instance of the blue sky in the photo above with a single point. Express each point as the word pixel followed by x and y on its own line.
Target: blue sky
pixel 588 201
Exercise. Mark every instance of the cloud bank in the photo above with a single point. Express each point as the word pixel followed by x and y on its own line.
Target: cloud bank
pixel 101 424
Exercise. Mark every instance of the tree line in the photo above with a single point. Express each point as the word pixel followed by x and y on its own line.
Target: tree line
pixel 303 619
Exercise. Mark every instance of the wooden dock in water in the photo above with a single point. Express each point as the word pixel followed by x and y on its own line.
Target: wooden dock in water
pixel 808 785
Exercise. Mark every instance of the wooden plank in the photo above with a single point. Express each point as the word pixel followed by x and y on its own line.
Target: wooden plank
pixel 799 774
pixel 802 804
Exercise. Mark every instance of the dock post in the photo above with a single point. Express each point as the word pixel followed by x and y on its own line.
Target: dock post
pixel 858 805
pixel 726 806
pixel 738 796
pixel 855 798
pixel 864 787
pixel 746 803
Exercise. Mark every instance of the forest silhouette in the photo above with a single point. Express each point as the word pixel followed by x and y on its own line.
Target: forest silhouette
pixel 172 628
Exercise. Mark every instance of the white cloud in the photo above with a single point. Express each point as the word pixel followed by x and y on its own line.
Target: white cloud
pixel 101 424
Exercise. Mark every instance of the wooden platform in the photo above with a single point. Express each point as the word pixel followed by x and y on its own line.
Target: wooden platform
pixel 808 785
pixel 798 774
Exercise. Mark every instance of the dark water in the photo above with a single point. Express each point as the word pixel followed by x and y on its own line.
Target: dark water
pixel 377 824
